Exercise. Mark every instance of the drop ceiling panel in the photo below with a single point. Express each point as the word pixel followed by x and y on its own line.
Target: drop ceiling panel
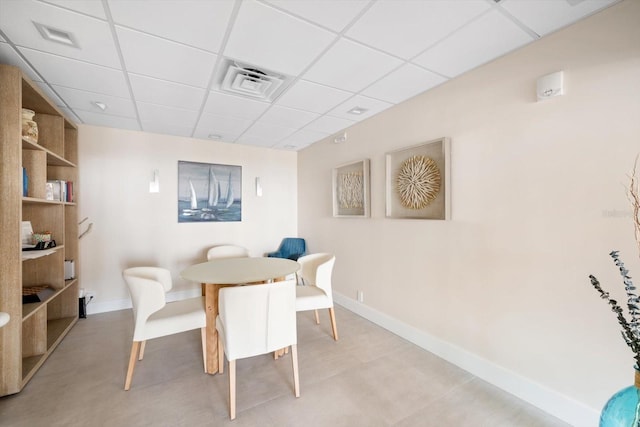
pixel 300 139
pixel 107 120
pixel 545 16
pixel 274 40
pixel 155 91
pixel 483 40
pixel 404 83
pixel 92 8
pixel 61 71
pixel 412 26
pixel 328 124
pixel 155 57
pixel 11 57
pixel 228 128
pixel 373 107
pixel 309 96
pixel 203 26
pixel 83 100
pixel 152 115
pixel 351 66
pixel 92 35
pixel 287 117
pixel 270 134
pixel 333 14
pixel 234 106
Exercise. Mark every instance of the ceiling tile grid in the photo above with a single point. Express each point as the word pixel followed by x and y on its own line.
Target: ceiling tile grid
pixel 159 65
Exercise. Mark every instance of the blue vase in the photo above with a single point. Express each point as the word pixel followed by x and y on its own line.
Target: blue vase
pixel 623 409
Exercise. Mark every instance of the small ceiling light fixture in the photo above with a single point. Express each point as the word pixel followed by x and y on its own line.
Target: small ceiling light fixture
pixel 290 147
pixel 56 35
pixel 340 138
pixel 101 105
pixel 214 136
pixel 357 110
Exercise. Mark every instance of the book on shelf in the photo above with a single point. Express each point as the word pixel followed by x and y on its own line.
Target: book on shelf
pixel 60 190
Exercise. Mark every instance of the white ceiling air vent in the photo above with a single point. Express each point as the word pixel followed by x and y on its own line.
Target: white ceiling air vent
pixel 251 81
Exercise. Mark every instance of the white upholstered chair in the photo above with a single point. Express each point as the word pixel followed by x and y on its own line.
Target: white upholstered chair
pixel 254 320
pixel 227 251
pixel 154 317
pixel 315 292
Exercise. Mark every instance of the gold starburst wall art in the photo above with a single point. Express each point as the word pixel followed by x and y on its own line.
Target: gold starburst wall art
pixel 417 184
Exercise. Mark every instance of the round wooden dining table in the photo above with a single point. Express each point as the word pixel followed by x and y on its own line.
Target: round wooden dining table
pixel 218 273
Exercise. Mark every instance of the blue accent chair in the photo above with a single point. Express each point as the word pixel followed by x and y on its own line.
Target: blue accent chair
pixel 291 248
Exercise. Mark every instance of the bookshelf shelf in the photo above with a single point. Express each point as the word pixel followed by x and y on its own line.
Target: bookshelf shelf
pixel 27 342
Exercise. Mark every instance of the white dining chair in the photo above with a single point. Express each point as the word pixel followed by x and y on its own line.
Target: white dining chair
pixel 227 251
pixel 154 317
pixel 254 320
pixel 315 290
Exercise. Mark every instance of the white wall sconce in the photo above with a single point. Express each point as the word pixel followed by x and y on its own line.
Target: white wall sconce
pixel 154 185
pixel 550 85
pixel 258 187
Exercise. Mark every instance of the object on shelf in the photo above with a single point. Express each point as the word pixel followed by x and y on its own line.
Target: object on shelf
pixel 29 126
pixel 43 236
pixel 27 235
pixel 25 183
pixel 39 246
pixel 36 294
pixel 69 269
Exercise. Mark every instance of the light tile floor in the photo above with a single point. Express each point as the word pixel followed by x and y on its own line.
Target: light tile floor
pixel 370 377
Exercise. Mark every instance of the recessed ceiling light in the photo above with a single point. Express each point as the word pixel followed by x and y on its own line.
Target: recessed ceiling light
pixel 101 105
pixel 214 136
pixel 56 35
pixel 357 110
pixel 290 147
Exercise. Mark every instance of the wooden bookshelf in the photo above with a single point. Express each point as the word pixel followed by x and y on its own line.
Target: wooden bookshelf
pixel 35 329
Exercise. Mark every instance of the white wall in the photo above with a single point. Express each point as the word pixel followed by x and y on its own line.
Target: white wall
pixel 538 202
pixel 133 227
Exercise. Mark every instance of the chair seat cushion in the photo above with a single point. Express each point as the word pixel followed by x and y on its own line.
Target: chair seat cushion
pixel 175 317
pixel 311 298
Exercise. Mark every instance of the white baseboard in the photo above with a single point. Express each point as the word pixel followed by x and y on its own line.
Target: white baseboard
pixel 560 406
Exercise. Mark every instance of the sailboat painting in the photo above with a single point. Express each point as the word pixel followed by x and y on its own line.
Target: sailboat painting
pixel 209 192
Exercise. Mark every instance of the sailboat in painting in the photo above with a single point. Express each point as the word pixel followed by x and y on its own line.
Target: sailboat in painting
pixel 193 201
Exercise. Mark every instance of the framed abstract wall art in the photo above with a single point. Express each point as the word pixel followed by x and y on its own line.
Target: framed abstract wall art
pixel 209 192
pixel 418 181
pixel 351 189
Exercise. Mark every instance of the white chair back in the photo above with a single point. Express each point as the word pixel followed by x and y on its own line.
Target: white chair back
pixel 147 286
pixel 258 319
pixel 227 251
pixel 316 270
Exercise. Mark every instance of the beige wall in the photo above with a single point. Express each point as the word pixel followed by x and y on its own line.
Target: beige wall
pixel 538 202
pixel 133 227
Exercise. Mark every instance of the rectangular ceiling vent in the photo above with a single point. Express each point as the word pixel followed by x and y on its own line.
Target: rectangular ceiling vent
pixel 252 81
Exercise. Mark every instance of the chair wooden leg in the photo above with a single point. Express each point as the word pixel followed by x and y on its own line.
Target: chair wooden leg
pixel 220 355
pixel 203 334
pixel 232 389
pixel 142 346
pixel 294 362
pixel 317 317
pixel 132 364
pixel 332 315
